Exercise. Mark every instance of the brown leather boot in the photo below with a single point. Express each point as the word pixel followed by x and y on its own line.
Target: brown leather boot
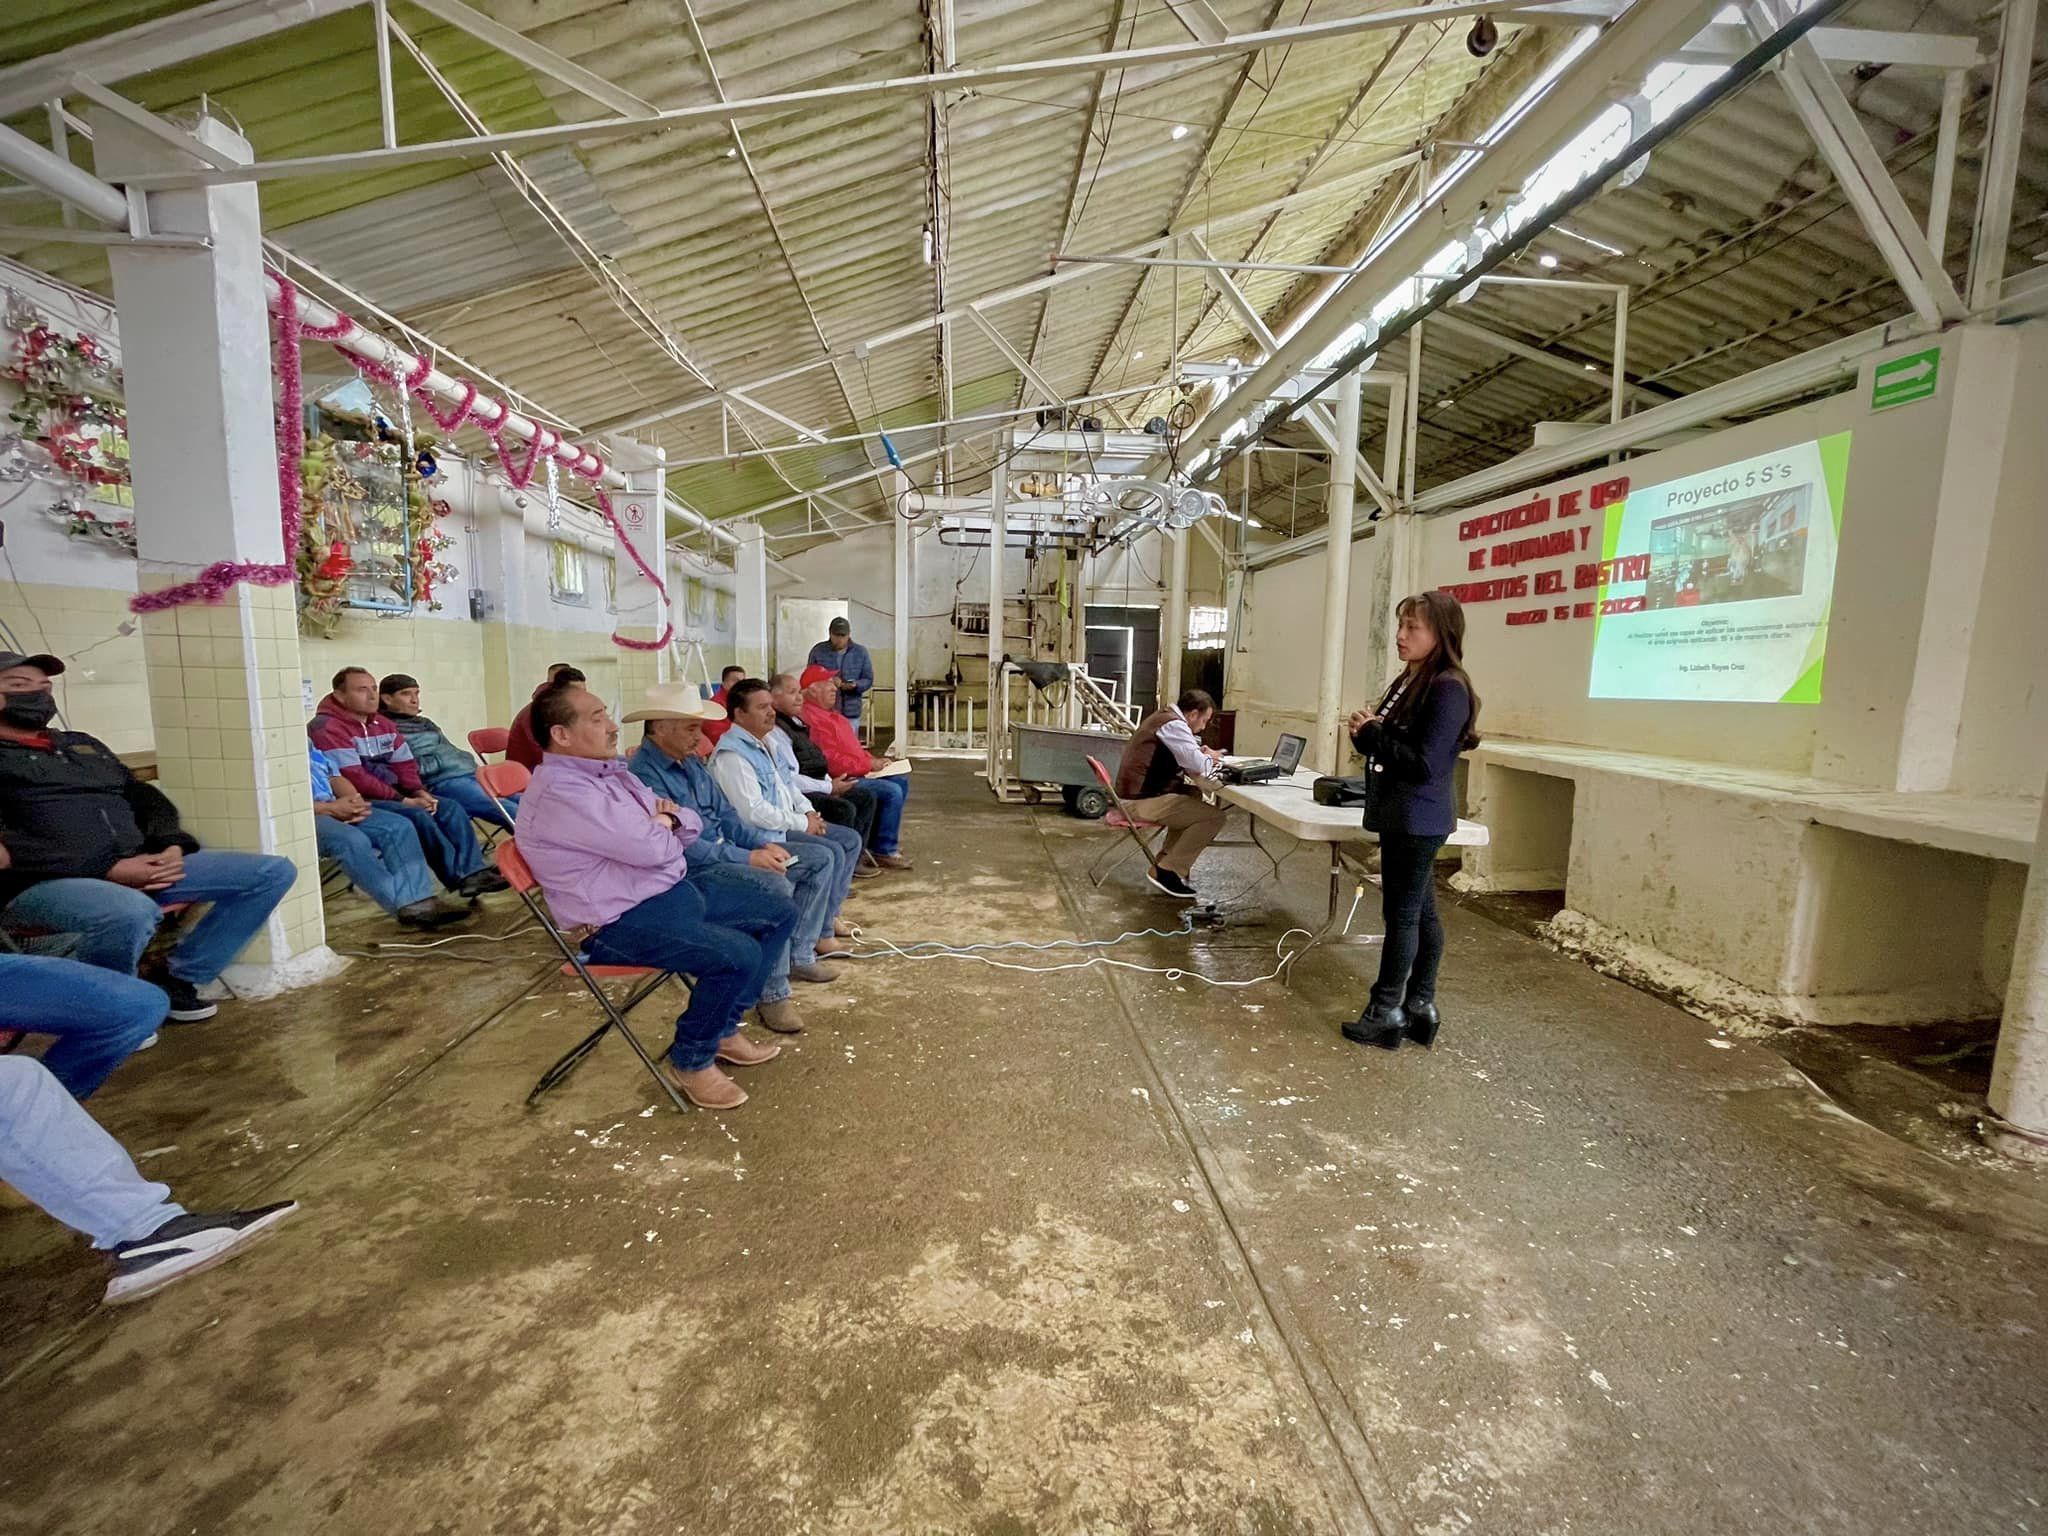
pixel 737 1050
pixel 707 1087
pixel 781 1017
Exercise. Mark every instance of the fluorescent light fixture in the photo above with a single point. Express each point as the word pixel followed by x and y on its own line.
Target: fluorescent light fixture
pixel 1547 261
pixel 927 245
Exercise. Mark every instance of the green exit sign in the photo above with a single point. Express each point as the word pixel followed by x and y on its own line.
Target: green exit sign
pixel 1902 380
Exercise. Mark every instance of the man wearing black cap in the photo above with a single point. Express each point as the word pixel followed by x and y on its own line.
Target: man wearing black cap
pixel 843 655
pixel 96 852
pixel 449 771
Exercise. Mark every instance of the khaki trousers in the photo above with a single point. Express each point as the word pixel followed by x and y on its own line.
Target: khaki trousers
pixel 1192 822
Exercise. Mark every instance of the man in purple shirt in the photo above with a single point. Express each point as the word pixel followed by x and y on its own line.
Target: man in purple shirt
pixel 610 855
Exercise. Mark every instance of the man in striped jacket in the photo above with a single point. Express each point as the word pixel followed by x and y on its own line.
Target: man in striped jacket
pixel 368 750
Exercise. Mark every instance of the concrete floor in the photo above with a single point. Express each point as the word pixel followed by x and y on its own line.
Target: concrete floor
pixel 1089 1251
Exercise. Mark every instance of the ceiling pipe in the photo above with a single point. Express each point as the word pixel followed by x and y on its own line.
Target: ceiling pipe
pixel 39 167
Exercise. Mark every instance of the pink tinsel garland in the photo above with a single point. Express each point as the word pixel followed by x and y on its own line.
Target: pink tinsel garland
pixel 214 582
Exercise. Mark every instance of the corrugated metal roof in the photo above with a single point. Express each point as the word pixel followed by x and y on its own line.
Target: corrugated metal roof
pixel 1735 245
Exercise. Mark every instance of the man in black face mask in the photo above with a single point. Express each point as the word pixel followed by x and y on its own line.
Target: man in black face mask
pixel 96 852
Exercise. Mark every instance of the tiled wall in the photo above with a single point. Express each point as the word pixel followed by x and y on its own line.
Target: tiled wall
pixel 231 745
pixel 446 655
pixel 104 690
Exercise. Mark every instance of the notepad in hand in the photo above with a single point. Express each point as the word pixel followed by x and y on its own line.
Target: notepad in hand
pixel 894 770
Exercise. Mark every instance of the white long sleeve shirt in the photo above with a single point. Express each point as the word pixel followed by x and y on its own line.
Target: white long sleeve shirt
pixel 787 811
pixel 1179 739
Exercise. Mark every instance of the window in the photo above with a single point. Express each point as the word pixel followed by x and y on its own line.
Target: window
pixel 1207 628
pixel 565 574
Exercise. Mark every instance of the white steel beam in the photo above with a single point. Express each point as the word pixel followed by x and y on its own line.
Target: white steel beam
pixel 1445 321
pixel 155 45
pixel 2002 150
pixel 535 57
pixel 781 103
pixel 387 105
pixel 1860 172
pixel 803 433
pixel 1202 22
pixel 1016 359
pixel 1948 136
pixel 1646 32
pixel 1932 52
pixel 941 55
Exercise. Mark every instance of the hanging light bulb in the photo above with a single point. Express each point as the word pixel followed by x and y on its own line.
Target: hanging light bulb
pixel 927 245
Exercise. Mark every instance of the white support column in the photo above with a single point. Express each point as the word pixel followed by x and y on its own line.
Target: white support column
pixel 1173 617
pixel 900 611
pixel 1414 412
pixel 643 521
pixel 2019 1070
pixel 1946 140
pixel 998 533
pixel 223 677
pixel 750 601
pixel 1981 363
pixel 1326 745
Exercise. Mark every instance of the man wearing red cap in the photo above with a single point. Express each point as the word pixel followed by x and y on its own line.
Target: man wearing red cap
pixel 848 759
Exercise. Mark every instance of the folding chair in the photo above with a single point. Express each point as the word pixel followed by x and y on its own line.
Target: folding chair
pixel 513 866
pixel 1119 815
pixel 497 780
pixel 491 741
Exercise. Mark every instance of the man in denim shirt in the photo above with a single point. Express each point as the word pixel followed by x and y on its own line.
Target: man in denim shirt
pixel 731 864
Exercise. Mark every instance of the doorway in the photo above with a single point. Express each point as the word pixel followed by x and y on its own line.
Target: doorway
pixel 800 623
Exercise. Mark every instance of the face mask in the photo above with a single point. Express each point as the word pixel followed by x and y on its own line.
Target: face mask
pixel 29 711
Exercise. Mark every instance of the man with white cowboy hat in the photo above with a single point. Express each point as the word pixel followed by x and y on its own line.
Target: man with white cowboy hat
pixel 733 866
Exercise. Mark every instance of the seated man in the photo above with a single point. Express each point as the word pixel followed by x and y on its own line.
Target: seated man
pixel 1162 766
pixel 844 804
pixel 718 726
pixel 98 853
pixel 761 784
pixel 57 1155
pixel 368 750
pixel 611 856
pixel 521 745
pixel 381 854
pixel 448 772
pixel 99 1019
pixel 730 860
pixel 850 764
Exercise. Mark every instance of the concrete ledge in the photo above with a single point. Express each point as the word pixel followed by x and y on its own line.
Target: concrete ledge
pixel 1713 996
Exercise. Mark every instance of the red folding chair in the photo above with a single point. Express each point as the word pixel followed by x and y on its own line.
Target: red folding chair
pixel 491 741
pixel 1119 815
pixel 513 866
pixel 497 780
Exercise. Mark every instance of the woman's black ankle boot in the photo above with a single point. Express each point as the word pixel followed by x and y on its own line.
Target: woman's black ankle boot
pixel 1422 1021
pixel 1377 1026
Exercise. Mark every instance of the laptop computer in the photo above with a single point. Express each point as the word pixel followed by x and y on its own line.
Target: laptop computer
pixel 1285 759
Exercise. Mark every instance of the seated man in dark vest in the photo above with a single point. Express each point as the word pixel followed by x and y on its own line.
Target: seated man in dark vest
pixel 1157 780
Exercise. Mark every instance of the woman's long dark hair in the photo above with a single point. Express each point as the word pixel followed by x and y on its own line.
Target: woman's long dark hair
pixel 1446 616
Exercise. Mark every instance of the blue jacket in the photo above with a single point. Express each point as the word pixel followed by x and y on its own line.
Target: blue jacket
pixel 725 838
pixel 1418 756
pixel 852 665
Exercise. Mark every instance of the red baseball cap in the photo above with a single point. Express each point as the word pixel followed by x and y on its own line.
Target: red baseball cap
pixel 817 675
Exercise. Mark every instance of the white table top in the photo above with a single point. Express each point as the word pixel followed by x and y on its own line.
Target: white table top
pixel 1288 804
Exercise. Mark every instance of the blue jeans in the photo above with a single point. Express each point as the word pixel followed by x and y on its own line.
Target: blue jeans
pixel 98 1018
pixel 464 790
pixel 115 923
pixel 57 1155
pixel 728 967
pixel 889 797
pixel 445 832
pixel 830 860
pixel 382 854
pixel 1414 943
pixel 737 895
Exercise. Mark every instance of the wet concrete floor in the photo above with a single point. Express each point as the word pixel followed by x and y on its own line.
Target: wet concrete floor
pixel 1085 1250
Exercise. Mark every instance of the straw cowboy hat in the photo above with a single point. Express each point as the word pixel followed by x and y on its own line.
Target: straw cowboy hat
pixel 674 701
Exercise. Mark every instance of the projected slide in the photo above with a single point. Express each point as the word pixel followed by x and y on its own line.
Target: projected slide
pixel 1718 586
